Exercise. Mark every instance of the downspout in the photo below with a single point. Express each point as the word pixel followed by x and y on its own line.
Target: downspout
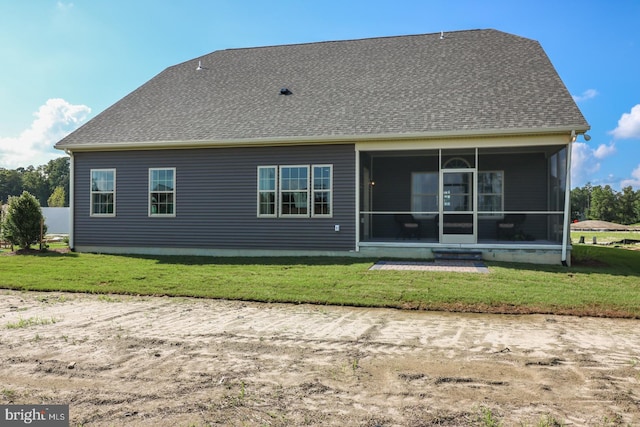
pixel 71 198
pixel 357 204
pixel 567 202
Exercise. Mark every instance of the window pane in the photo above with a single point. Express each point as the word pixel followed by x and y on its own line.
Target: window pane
pixel 322 203
pixel 102 181
pixel 321 177
pixel 490 182
pixel 162 203
pixel 267 179
pixel 102 203
pixel 267 203
pixel 294 203
pixel 490 203
pixel 425 183
pixel 425 203
pixel 294 178
pixel 490 191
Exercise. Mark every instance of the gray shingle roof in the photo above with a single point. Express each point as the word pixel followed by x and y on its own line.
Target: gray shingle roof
pixel 477 80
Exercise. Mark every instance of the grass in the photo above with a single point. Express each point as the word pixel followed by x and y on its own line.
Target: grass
pixel 604 237
pixel 605 281
pixel 31 321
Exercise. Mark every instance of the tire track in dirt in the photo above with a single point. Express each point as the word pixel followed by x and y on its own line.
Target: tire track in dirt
pixel 163 361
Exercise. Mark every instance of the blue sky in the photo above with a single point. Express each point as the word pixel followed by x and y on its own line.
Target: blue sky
pixel 64 61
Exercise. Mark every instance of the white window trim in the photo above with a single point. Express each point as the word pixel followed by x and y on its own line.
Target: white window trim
pixel 274 191
pixel 314 191
pixel 175 179
pixel 310 191
pixel 91 193
pixel 489 214
pixel 280 192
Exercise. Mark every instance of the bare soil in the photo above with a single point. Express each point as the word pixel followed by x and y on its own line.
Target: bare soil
pixel 158 361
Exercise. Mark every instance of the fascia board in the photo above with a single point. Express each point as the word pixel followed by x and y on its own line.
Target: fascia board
pixel 334 139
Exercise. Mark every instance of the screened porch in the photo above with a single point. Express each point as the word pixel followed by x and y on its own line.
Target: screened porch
pixel 478 196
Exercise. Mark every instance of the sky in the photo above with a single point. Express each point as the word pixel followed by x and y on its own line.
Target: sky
pixel 65 61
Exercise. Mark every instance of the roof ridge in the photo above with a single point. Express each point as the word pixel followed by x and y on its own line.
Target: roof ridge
pixel 397 36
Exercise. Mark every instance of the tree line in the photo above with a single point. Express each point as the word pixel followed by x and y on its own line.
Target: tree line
pixel 606 204
pixel 49 183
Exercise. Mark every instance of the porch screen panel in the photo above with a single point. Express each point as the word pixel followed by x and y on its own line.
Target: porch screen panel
pixel 424 193
pixel 490 192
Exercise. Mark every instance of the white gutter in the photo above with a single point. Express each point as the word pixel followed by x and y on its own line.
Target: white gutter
pixel 71 198
pixel 300 140
pixel 567 202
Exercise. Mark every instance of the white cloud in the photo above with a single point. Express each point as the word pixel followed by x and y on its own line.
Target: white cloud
pixel 628 125
pixel 634 181
pixel 34 146
pixel 586 95
pixel 604 151
pixel 583 163
pixel 64 6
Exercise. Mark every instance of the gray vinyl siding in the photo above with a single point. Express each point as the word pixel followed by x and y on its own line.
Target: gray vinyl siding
pixel 215 200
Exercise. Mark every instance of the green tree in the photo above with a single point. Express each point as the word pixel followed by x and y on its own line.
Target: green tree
pixel 57 174
pixel 580 202
pixel 625 204
pixel 56 200
pixel 10 184
pixel 21 225
pixel 603 204
pixel 34 182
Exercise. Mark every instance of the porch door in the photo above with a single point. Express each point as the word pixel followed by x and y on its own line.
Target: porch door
pixel 457 206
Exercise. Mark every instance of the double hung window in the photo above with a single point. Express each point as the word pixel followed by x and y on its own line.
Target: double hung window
pixel 322 191
pixel 103 192
pixel 294 190
pixel 162 191
pixel 267 190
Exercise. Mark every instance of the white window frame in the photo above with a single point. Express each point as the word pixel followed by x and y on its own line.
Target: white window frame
pixel 92 193
pixel 310 192
pixel 281 192
pixel 173 192
pixel 491 214
pixel 312 200
pixel 274 192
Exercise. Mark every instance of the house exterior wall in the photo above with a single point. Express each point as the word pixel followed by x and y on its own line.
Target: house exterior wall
pixel 215 201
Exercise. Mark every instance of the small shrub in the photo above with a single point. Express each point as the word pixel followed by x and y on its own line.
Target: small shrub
pixel 21 225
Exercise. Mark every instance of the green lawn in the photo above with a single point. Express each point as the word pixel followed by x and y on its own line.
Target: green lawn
pixel 604 282
pixel 604 237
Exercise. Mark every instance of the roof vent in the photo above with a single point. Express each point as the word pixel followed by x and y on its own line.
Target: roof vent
pixel 441 35
pixel 200 67
pixel 285 91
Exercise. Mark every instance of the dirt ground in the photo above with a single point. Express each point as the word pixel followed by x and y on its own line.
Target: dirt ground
pixel 148 361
